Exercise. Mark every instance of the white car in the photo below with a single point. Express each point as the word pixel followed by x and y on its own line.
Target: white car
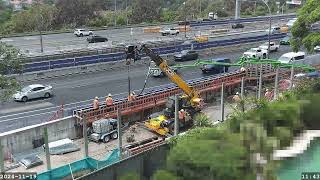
pixel 273 46
pixel 82 32
pixel 33 91
pixel 317 49
pixel 169 31
pixel 291 57
pixel 274 30
pixel 256 53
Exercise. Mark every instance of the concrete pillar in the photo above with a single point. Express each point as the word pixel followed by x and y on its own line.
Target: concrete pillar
pixel 260 83
pixel 85 137
pixel 46 144
pixel 291 78
pixel 176 116
pixel 237 13
pixel 119 133
pixel 1 157
pixel 276 84
pixel 242 88
pixel 222 102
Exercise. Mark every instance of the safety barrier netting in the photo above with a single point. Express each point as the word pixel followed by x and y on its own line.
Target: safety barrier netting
pixel 79 168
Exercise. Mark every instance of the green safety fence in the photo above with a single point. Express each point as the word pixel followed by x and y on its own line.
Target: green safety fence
pixel 79 168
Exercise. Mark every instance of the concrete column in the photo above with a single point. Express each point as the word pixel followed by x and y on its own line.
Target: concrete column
pixel 237 13
pixel 46 144
pixel 176 115
pixel 222 102
pixel 291 78
pixel 276 84
pixel 85 137
pixel 119 133
pixel 1 157
pixel 242 88
pixel 260 83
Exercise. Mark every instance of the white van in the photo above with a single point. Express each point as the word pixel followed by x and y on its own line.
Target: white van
pixel 292 57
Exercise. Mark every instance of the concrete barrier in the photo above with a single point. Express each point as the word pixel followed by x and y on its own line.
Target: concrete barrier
pixel 30 137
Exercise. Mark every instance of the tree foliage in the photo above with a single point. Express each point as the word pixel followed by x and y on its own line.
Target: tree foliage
pixel 164 175
pixel 9 63
pixel 302 28
pixel 146 11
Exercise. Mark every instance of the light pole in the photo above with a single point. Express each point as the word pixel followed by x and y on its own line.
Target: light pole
pixel 269 26
pixel 185 20
pixel 115 12
pixel 127 12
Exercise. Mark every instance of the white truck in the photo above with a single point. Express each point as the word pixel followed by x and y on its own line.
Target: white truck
pixel 273 46
pixel 169 31
pixel 82 32
pixel 256 53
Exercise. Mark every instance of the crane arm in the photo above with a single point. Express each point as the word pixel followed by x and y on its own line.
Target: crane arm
pixel 189 91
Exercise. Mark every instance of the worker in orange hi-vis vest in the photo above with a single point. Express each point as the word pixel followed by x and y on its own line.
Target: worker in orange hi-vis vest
pixel 242 69
pixel 96 103
pixel 236 98
pixel 268 95
pixel 182 114
pixel 109 100
pixel 132 96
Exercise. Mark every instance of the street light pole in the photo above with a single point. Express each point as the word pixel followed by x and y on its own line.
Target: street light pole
pixel 127 12
pixel 115 12
pixel 185 20
pixel 269 26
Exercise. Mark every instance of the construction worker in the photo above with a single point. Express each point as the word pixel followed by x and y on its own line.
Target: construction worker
pixel 96 103
pixel 109 100
pixel 242 69
pixel 236 98
pixel 182 115
pixel 132 96
pixel 268 95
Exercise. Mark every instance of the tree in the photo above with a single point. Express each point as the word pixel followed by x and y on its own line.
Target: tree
pixel 202 120
pixel 146 11
pixel 302 28
pixel 9 63
pixel 76 12
pixel 216 154
pixel 164 175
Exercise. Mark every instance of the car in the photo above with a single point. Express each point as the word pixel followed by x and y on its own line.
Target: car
pixel 182 23
pixel 186 55
pixel 291 22
pixel 33 91
pixel 216 68
pixel 274 30
pixel 273 46
pixel 169 31
pixel 95 38
pixel 316 49
pixel 285 41
pixel 291 56
pixel 256 53
pixel 237 25
pixel 82 32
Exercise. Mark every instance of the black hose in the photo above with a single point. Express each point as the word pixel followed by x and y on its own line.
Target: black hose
pixel 146 79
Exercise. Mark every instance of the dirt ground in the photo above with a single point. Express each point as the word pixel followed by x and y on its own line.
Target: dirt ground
pixel 97 151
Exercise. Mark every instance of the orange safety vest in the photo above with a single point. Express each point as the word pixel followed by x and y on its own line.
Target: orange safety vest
pixel 95 104
pixel 131 97
pixel 236 98
pixel 181 115
pixel 268 95
pixel 109 101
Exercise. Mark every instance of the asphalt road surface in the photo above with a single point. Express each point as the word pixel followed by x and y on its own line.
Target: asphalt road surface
pixel 54 43
pixel 79 90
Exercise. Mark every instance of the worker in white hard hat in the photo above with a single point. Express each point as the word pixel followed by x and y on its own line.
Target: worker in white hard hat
pixel 96 103
pixel 242 69
pixel 132 96
pixel 268 95
pixel 236 98
pixel 109 100
pixel 182 115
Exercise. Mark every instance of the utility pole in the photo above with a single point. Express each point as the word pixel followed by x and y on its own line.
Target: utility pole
pixel 2 170
pixel 127 13
pixel 200 8
pixel 222 102
pixel 260 82
pixel 269 34
pixel 46 145
pixel 85 136
pixel 119 133
pixel 115 12
pixel 237 13
pixel 291 77
pixel 185 20
pixel 276 85
pixel 242 88
pixel 176 115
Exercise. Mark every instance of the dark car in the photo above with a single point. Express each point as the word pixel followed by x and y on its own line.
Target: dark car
pixel 237 25
pixel 186 55
pixel 94 39
pixel 216 68
pixel 182 23
pixel 285 41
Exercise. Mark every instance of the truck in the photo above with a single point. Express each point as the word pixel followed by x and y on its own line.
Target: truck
pixel 273 46
pixel 213 16
pixel 256 53
pixel 155 71
pixel 103 130
pixel 169 31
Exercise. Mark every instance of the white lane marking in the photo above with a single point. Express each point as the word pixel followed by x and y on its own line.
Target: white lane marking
pixel 25 108
pixel 30 38
pixel 6 40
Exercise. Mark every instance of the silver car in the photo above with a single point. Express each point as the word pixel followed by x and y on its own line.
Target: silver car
pixel 33 91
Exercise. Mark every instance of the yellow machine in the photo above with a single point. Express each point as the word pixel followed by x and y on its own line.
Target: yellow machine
pixel 190 102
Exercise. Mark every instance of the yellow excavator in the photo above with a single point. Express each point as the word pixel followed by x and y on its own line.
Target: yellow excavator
pixel 162 123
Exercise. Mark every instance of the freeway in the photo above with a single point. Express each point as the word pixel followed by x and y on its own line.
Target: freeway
pixel 80 90
pixel 54 43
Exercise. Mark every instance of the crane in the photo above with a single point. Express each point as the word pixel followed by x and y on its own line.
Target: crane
pixel 190 101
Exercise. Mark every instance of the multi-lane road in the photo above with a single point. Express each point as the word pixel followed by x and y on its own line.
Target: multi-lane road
pixel 80 90
pixel 67 41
